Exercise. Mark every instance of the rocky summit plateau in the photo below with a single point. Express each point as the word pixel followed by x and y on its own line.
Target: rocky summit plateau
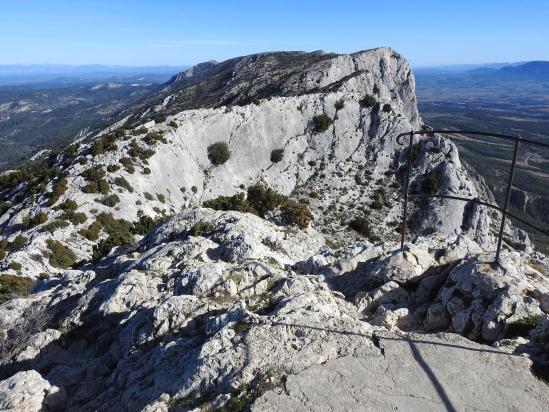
pixel 231 243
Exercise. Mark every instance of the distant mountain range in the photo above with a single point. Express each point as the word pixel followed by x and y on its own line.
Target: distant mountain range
pixel 65 74
pixel 534 70
pixel 531 70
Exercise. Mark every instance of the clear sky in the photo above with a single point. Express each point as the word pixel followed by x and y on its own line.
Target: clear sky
pixel 184 32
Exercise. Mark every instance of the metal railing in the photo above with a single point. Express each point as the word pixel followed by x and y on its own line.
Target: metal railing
pixel 504 210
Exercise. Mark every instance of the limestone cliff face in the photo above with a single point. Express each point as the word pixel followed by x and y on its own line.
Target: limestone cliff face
pixel 257 104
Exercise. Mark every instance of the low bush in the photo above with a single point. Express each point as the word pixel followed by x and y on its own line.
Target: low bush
pixel 173 124
pixel 112 168
pixel 218 153
pixel 15 266
pixel 431 182
pixel 54 225
pixel 159 118
pixel 296 213
pixel 61 256
pixel 92 231
pixel 97 147
pixel 12 286
pixel 67 205
pixel 152 138
pixel 194 189
pixel 39 219
pixel 144 225
pixel 59 189
pixel 4 207
pixel 368 101
pixel 521 327
pixel 146 171
pixel 148 196
pixel 260 200
pixel 362 225
pixel 340 104
pixel 137 151
pixel 76 218
pixel 122 182
pixel 111 200
pixel 128 165
pixel 387 108
pixel 237 202
pixel 201 228
pixel 18 242
pixel 322 122
pixel 161 198
pixel 277 155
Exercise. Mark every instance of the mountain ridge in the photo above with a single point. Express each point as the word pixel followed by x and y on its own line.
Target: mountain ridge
pixel 232 234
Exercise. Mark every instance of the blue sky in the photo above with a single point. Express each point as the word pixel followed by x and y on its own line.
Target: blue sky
pixel 170 32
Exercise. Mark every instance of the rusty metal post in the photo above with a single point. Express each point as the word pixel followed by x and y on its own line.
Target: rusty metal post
pixel 507 198
pixel 405 211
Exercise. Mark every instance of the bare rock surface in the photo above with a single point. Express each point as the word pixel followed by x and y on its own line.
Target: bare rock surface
pixel 414 372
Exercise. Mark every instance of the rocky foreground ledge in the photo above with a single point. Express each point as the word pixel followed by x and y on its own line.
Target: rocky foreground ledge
pixel 228 311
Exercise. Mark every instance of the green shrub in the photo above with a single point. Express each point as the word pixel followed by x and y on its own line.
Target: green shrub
pixel 159 118
pixel 194 189
pixel 431 182
pixel 368 101
pixel 72 149
pixel 61 256
pixel 260 200
pixel 97 147
pixel 92 231
pixel 296 213
pixel 218 153
pixel 277 155
pixel 15 266
pixel 91 187
pixel 112 168
pixel 128 165
pixel 111 200
pixel 137 151
pixel 376 89
pixel 76 218
pixel 58 190
pixel 13 286
pixel 148 196
pixel 144 225
pixel 67 205
pixel 173 124
pixel 322 122
pixel 201 228
pixel 362 226
pixel 521 327
pixel 387 108
pixel 122 182
pixel 237 202
pixel 54 225
pixel 118 231
pixel 146 171
pixel 153 137
pixel 141 130
pixel 340 104
pixel 4 207
pixel 18 242
pixel 106 245
pixel 38 219
pixel 161 198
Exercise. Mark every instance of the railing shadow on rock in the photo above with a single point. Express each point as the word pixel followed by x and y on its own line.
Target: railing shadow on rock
pixel 503 210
